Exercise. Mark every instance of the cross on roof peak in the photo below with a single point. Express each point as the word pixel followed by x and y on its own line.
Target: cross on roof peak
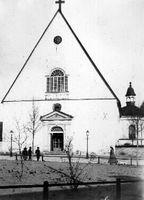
pixel 60 2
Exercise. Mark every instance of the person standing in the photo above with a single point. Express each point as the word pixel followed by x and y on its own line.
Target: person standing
pixel 30 153
pixel 25 153
pixel 112 158
pixel 37 153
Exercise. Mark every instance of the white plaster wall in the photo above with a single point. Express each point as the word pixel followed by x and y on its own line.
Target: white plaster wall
pixel 101 118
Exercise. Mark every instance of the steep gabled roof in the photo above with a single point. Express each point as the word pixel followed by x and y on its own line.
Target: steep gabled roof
pixel 80 44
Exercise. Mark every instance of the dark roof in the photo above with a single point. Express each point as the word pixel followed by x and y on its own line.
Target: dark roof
pixel 130 110
pixel 130 91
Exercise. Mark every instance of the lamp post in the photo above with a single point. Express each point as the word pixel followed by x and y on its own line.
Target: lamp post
pixel 87 135
pixel 137 129
pixel 11 149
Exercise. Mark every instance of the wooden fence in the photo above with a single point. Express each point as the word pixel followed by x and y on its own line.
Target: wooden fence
pixel 121 160
pixel 45 186
pixel 97 159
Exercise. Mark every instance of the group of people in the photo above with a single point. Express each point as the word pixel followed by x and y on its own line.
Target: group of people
pixel 27 154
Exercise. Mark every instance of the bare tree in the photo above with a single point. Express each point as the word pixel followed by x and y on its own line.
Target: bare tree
pixel 19 139
pixel 138 122
pixel 34 123
pixel 75 172
pixel 20 136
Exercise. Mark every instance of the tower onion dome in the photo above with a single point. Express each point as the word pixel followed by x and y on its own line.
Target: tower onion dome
pixel 130 91
pixel 130 110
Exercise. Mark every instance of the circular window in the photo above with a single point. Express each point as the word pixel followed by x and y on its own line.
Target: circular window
pixel 57 39
pixel 57 107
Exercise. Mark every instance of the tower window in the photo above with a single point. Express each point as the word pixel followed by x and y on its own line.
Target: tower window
pixel 132 132
pixel 57 82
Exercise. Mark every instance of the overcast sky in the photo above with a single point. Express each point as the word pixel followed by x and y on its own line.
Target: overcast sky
pixel 112 31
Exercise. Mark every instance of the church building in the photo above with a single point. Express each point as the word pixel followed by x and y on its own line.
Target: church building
pixel 71 93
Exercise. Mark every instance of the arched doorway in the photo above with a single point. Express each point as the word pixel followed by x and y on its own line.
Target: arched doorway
pixel 57 139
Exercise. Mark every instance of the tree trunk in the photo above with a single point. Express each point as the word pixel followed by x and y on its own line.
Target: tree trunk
pixel 33 144
pixel 137 146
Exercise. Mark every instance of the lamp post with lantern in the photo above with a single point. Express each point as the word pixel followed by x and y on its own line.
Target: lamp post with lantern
pixel 11 148
pixel 87 135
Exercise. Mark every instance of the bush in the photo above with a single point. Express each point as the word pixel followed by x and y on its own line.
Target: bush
pixel 127 144
pixel 93 155
pixel 122 153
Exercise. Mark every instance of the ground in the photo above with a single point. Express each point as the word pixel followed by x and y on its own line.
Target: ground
pixel 38 172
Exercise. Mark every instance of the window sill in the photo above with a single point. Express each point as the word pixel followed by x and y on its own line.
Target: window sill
pixel 56 95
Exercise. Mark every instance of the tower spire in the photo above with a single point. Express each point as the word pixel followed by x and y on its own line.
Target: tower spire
pixel 60 2
pixel 130 95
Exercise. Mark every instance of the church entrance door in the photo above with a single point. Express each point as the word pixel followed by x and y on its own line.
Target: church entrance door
pixel 57 139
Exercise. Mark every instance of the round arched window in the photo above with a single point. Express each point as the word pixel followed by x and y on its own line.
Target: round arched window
pixel 132 132
pixel 57 82
pixel 57 128
pixel 57 72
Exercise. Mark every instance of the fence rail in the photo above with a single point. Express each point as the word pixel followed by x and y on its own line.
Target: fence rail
pixel 99 159
pixel 46 186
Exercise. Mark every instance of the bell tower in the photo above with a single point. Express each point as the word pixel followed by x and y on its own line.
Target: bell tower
pixel 130 95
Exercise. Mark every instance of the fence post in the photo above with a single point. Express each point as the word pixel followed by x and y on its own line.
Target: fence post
pixel 42 157
pixel 45 190
pixel 118 189
pixel 98 160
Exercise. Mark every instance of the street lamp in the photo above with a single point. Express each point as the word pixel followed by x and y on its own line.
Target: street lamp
pixel 87 135
pixel 11 149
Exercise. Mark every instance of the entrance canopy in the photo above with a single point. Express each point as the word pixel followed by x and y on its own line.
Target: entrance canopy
pixel 56 115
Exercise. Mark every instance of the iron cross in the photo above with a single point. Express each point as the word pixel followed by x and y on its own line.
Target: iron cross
pixel 60 3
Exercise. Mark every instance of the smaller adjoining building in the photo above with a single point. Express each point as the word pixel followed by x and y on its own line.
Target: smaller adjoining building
pixel 132 119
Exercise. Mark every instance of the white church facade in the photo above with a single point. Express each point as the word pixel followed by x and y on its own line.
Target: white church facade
pixel 70 91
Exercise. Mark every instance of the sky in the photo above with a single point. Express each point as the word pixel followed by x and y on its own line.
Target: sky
pixel 111 31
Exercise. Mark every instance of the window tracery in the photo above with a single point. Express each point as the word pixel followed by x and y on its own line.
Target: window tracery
pixel 57 82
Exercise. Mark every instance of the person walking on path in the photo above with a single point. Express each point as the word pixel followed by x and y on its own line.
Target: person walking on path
pixel 25 153
pixel 112 158
pixel 30 153
pixel 37 153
